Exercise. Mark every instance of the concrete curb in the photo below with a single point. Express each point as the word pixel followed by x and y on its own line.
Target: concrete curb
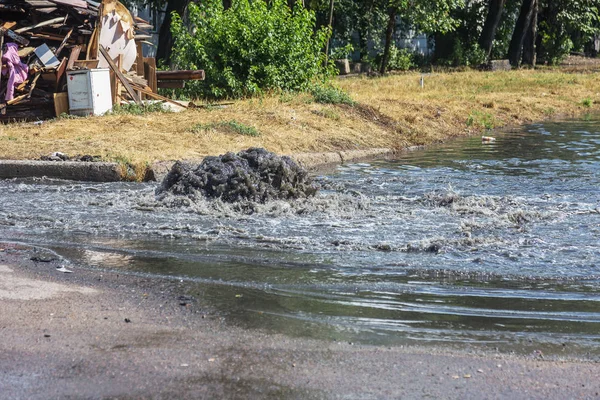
pixel 112 172
pixel 70 170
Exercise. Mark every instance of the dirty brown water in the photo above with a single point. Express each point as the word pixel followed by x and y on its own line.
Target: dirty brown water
pixel 493 246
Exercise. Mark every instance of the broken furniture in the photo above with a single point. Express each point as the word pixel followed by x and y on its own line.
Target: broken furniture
pixel 56 38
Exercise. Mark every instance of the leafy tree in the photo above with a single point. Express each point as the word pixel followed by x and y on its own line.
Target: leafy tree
pixel 426 16
pixel 563 25
pixel 251 47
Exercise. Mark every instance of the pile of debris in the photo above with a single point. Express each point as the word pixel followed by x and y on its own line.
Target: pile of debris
pixel 45 44
pixel 255 175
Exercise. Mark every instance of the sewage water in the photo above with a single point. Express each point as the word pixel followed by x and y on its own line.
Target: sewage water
pixel 465 244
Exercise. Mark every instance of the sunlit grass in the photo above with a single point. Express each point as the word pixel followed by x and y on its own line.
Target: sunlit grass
pixel 400 113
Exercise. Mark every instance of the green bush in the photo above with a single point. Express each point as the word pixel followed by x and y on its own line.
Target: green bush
pixel 400 59
pixel 340 53
pixel 251 47
pixel 327 94
pixel 472 55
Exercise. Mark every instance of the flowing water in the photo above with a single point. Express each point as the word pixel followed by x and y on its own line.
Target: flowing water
pixel 495 245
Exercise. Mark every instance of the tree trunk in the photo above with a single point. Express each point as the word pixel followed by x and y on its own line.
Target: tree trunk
pixel 389 37
pixel 486 40
pixel 331 4
pixel 165 38
pixel 515 49
pixel 529 51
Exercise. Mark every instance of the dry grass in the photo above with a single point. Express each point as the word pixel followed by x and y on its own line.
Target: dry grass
pixel 393 111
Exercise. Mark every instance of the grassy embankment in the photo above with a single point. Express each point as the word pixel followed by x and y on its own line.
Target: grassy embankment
pixel 392 111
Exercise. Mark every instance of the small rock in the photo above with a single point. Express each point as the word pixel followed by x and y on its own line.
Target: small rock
pixel 43 259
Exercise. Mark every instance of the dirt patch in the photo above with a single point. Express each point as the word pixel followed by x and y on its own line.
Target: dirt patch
pixel 370 114
pixel 14 287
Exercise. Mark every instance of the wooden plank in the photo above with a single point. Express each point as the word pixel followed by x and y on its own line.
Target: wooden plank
pixel 145 26
pixel 62 45
pixel 120 75
pixel 45 23
pixel 171 84
pixel 61 103
pixel 152 82
pixel 17 38
pixel 141 21
pixel 118 84
pixel 86 64
pixel 39 3
pixel 46 10
pixel 72 3
pixel 150 73
pixel 17 100
pixel 8 24
pixel 139 62
pixel 159 97
pixel 74 56
pixel 60 73
pixel 46 36
pixel 187 75
pixel 33 83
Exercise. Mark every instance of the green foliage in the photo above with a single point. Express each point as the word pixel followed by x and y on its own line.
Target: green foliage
pixel 470 56
pixel 400 59
pixel 566 26
pixel 480 119
pixel 419 60
pixel 327 94
pixel 587 102
pixel 249 48
pixel 555 44
pixel 428 16
pixel 231 126
pixel 342 52
pixel 67 116
pixel 359 22
pixel 135 109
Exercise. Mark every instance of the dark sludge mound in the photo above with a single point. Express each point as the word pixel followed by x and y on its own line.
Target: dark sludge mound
pixel 255 175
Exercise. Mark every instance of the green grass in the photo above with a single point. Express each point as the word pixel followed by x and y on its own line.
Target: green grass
pixel 135 109
pixel 231 126
pixel 327 113
pixel 481 119
pixel 587 102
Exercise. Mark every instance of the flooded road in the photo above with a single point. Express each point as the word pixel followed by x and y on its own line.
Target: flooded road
pixel 465 244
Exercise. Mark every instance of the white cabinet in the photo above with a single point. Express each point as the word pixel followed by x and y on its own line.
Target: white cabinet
pixel 89 91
